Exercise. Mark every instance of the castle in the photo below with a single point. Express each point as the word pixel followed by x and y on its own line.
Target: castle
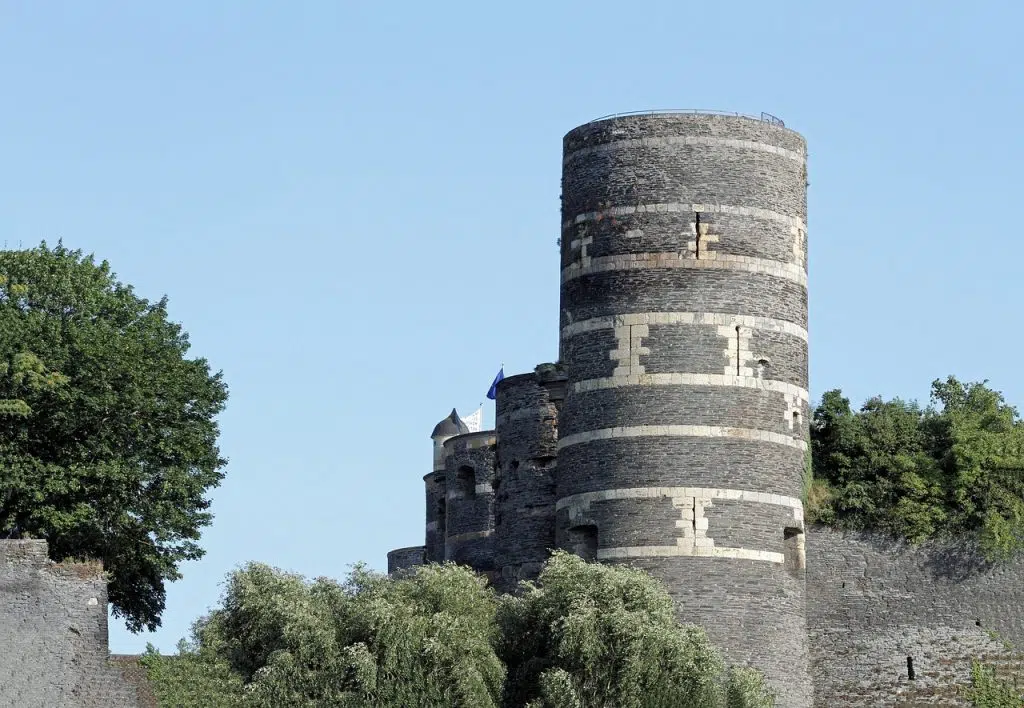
pixel 672 433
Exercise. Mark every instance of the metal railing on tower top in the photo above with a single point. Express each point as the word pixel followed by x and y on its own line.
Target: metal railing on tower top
pixel 766 117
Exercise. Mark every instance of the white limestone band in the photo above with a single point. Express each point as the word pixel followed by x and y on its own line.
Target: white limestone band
pixel 681 431
pixel 678 379
pixel 675 259
pixel 687 208
pixel 717 319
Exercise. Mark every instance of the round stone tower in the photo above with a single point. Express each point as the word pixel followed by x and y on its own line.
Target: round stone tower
pixel 683 435
pixel 469 473
pixel 526 414
pixel 436 487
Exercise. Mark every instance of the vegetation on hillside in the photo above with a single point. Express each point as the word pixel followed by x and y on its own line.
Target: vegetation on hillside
pixel 584 635
pixel 987 690
pixel 107 432
pixel 953 468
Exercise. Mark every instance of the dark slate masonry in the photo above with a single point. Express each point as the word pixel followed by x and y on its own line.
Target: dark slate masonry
pixel 667 439
pixel 872 602
pixel 53 636
pixel 634 191
pixel 526 413
pixel 406 558
pixel 469 474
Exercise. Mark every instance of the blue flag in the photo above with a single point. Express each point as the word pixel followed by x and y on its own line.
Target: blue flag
pixel 492 393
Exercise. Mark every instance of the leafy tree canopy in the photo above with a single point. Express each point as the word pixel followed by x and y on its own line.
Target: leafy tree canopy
pixel 955 467
pixel 586 635
pixel 590 634
pixel 107 431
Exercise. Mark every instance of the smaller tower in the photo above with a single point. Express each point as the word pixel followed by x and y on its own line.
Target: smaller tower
pixel 524 504
pixel 469 512
pixel 437 511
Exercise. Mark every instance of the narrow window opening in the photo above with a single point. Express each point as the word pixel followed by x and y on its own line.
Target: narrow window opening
pixel 696 241
pixel 465 481
pixel 796 420
pixel 910 668
pixel 583 541
pixel 695 517
pixel 738 350
pixel 794 553
pixel 762 367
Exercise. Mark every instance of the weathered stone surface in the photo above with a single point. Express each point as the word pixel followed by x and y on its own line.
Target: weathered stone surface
pixel 469 475
pixel 405 558
pixel 527 426
pixel 53 635
pixel 873 602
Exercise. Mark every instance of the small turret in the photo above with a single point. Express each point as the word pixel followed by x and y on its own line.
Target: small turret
pixel 448 428
pixel 436 489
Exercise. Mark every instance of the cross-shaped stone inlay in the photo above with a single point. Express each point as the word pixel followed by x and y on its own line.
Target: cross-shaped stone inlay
pixel 698 247
pixel 794 413
pixel 799 245
pixel 630 348
pixel 581 243
pixel 693 525
pixel 737 351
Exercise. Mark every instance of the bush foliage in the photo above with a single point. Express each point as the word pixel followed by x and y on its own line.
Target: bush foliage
pixel 953 468
pixel 585 635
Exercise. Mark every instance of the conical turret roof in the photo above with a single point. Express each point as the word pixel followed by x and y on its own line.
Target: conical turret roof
pixel 450 426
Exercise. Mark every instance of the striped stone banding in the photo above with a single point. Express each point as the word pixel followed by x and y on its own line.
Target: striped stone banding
pixel 681 431
pixel 469 536
pixel 680 207
pixel 680 379
pixel 691 501
pixel 687 550
pixel 675 259
pixel 717 319
pixel 673 492
pixel 670 140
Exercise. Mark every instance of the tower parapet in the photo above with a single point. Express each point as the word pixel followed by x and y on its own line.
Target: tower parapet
pixel 683 326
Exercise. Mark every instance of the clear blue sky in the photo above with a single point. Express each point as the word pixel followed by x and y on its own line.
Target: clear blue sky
pixel 353 208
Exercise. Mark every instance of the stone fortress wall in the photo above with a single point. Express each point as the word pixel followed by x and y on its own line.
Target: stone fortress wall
pixel 878 608
pixel 53 636
pixel 672 434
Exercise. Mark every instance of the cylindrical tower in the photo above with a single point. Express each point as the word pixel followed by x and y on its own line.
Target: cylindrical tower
pixel 684 312
pixel 405 558
pixel 469 473
pixel 435 483
pixel 526 414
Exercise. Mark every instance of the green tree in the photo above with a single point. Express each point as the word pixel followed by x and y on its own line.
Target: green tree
pixel 590 634
pixel 587 636
pixel 107 430
pixel 419 641
pixel 954 467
